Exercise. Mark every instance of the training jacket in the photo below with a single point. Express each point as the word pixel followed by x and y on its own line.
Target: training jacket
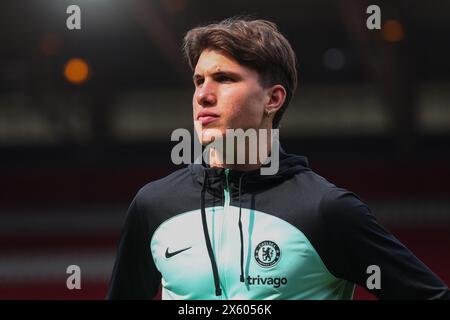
pixel 213 233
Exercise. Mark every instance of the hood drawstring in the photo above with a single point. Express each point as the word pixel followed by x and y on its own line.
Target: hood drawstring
pixel 208 240
pixel 240 230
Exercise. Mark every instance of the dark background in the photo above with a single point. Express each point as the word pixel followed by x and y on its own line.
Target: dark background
pixel 372 114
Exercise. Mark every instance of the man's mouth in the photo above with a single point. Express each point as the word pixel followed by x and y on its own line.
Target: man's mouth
pixel 207 117
pixel 205 120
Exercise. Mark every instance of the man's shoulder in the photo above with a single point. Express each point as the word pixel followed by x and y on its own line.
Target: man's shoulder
pixel 324 195
pixel 335 205
pixel 161 199
pixel 313 185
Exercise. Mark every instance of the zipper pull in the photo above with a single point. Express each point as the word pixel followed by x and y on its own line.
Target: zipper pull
pixel 227 172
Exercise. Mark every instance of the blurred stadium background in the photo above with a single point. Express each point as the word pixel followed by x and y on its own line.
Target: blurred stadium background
pixel 86 117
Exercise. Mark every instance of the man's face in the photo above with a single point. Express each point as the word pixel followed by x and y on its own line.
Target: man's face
pixel 227 96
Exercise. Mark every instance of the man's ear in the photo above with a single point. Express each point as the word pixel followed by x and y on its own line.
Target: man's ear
pixel 276 97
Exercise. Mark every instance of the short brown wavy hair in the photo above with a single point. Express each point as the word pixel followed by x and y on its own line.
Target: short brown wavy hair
pixel 254 43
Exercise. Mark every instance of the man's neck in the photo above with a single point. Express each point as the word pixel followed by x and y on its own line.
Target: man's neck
pixel 219 161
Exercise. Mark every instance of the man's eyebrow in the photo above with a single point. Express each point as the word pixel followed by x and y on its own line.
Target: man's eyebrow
pixel 219 73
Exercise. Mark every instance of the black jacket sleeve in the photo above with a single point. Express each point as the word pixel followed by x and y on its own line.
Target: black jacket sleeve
pixel 356 241
pixel 135 275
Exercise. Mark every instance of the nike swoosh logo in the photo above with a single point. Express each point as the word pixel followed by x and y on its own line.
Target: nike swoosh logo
pixel 171 254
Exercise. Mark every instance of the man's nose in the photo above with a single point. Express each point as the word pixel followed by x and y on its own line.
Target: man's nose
pixel 206 95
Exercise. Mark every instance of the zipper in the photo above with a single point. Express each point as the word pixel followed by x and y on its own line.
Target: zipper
pixel 223 235
pixel 227 186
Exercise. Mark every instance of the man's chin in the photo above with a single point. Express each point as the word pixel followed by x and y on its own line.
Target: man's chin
pixel 211 135
pixel 209 140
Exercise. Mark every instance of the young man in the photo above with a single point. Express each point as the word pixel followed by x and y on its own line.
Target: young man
pixel 224 230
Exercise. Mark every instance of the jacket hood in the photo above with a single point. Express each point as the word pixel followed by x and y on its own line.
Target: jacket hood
pixel 289 165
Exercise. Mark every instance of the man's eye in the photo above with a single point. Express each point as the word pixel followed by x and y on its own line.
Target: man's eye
pixel 224 79
pixel 198 82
